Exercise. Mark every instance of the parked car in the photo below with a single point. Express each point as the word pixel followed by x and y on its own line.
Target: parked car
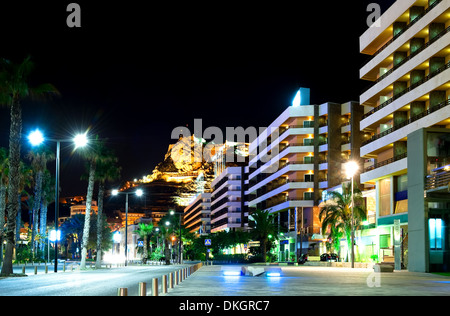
pixel 329 257
pixel 303 258
pixel 334 257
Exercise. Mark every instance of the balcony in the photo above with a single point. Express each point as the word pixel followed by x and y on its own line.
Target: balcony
pixel 418 18
pixel 386 162
pixel 407 122
pixel 415 53
pixel 439 180
pixel 410 88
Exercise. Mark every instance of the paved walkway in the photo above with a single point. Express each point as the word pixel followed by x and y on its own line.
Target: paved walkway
pixel 311 281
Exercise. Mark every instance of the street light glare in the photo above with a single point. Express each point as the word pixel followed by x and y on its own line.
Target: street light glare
pixel 351 168
pixel 36 138
pixel 80 140
pixel 139 192
pixel 115 192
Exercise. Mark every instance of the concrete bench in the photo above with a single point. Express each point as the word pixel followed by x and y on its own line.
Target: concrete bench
pixel 258 270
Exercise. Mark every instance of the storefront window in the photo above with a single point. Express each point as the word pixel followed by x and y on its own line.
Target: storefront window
pixel 435 227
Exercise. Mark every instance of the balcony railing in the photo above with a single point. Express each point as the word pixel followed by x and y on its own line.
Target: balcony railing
pixel 386 162
pixel 439 179
pixel 410 88
pixel 418 18
pixel 434 39
pixel 408 121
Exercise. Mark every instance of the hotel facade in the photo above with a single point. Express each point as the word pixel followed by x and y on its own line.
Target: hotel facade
pixel 295 161
pixel 407 114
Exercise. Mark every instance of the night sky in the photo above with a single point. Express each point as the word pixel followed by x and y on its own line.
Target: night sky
pixel 134 72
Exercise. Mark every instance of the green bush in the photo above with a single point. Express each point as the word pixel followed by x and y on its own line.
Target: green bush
pixel 236 258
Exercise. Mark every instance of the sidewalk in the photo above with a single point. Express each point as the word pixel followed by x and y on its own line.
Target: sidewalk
pixel 311 281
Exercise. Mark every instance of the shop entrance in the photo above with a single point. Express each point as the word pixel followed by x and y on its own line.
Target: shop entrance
pixel 438 240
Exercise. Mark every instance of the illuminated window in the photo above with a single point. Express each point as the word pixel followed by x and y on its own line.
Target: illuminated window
pixel 385 197
pixel 435 228
pixel 401 207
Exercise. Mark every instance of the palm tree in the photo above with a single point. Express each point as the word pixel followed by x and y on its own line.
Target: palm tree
pixel 39 158
pixel 72 229
pixel 3 184
pixel 263 226
pixel 106 170
pixel 25 180
pixel 95 154
pixel 14 88
pixel 145 231
pixel 337 215
pixel 47 197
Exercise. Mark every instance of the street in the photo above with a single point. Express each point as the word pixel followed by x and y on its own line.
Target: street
pixel 102 282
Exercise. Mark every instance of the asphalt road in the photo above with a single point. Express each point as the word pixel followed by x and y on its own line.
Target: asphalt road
pixel 101 282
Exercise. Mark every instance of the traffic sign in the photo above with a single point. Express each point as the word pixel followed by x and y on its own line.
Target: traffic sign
pixel 140 243
pixel 207 242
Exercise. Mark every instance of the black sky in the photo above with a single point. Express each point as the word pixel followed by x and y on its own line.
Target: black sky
pixel 134 72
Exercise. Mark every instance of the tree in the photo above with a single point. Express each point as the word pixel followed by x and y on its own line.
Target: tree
pixel 3 187
pixel 14 88
pixel 25 180
pixel 39 158
pixel 106 170
pixel 47 197
pixel 145 231
pixel 93 155
pixel 336 213
pixel 263 226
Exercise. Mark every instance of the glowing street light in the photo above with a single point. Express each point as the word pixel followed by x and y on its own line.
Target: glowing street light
pixel 54 235
pixel 36 138
pixel 115 192
pixel 80 140
pixel 351 168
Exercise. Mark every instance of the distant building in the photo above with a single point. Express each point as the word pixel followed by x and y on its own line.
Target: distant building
pixel 228 207
pixel 81 208
pixel 196 217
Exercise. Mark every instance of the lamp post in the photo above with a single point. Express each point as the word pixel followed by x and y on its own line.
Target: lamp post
pixel 36 138
pixel 179 236
pixel 351 168
pixel 138 192
pixel 53 236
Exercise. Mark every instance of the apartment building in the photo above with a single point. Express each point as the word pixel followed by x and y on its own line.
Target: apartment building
pixel 409 67
pixel 197 215
pixel 228 209
pixel 295 161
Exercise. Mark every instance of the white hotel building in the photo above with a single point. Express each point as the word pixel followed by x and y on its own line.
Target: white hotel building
pixel 410 70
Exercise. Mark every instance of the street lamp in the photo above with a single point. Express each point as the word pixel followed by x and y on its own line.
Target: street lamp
pixel 351 168
pixel 53 236
pixel 36 138
pixel 138 192
pixel 172 212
